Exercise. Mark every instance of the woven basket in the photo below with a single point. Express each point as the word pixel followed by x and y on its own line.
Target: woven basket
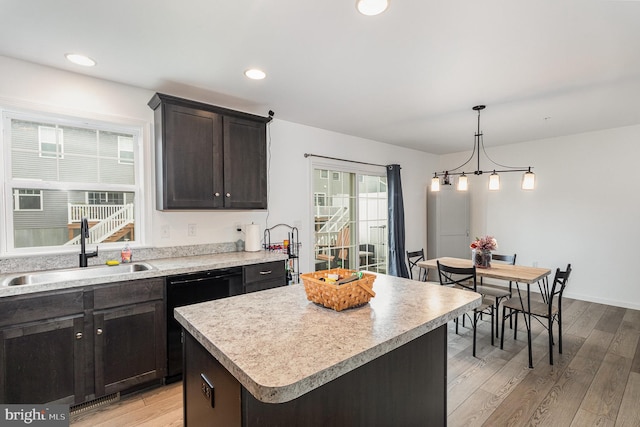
pixel 338 297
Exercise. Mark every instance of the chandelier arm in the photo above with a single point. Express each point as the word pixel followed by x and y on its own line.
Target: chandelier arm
pixel 470 158
pixel 477 142
pixel 496 163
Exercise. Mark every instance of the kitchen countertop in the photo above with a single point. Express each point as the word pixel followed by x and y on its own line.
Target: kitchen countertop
pixel 161 267
pixel 279 345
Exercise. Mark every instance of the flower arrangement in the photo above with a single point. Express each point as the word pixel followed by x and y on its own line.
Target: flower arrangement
pixel 486 243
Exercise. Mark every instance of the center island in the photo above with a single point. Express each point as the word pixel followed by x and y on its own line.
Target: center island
pixel 274 358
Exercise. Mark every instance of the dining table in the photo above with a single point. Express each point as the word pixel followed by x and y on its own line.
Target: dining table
pixel 515 273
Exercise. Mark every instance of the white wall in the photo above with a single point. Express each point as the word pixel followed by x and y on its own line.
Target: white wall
pixel 290 176
pixel 29 86
pixel 585 210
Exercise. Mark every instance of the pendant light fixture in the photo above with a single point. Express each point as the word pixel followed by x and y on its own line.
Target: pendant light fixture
pixel 528 179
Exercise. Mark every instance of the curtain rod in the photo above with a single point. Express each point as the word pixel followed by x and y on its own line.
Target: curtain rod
pixel 343 160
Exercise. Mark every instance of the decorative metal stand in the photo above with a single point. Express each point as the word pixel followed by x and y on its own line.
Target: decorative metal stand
pixel 290 246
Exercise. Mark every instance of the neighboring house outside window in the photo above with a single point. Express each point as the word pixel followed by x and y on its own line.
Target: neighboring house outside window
pixel 105 198
pixel 61 169
pixel 27 200
pixel 319 199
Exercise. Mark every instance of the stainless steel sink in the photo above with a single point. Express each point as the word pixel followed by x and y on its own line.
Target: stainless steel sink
pixel 51 276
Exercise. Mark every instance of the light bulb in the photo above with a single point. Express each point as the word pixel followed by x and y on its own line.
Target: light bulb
pixel 494 181
pixel 435 184
pixel 528 180
pixel 462 183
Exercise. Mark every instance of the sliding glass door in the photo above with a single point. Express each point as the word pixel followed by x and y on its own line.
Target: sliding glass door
pixel 350 218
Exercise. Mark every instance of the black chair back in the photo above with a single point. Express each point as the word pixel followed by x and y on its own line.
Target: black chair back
pixel 559 283
pixel 457 276
pixel 412 259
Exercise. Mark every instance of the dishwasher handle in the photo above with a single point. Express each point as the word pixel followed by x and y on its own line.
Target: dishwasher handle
pixel 200 277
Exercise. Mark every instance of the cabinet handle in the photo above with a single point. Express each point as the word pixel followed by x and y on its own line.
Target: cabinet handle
pixel 217 194
pixel 99 331
pixel 79 335
pixel 264 273
pixel 228 194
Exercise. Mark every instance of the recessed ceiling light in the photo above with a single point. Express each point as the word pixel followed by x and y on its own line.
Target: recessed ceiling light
pixel 372 7
pixel 255 74
pixel 78 59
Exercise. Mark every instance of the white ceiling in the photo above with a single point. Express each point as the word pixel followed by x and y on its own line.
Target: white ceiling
pixel 408 77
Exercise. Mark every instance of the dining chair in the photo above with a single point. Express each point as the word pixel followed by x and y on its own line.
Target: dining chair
pixel 465 278
pixel 412 259
pixel 550 309
pixel 498 293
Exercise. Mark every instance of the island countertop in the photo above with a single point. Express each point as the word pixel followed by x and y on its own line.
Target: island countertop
pixel 279 345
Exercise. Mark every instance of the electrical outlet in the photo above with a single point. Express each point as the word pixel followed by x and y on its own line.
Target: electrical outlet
pixel 191 230
pixel 164 231
pixel 207 389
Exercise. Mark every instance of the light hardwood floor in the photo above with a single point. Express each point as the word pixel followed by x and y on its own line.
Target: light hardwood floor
pixel 595 382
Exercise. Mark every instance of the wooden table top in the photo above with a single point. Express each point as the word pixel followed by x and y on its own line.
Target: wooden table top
pixel 516 273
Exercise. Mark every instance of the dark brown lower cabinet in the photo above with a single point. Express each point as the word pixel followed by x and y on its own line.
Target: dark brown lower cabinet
pixel 42 350
pixel 74 346
pixel 405 387
pixel 126 347
pixel 43 362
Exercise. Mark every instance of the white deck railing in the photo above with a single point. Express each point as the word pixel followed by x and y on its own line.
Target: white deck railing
pixel 338 219
pixel 107 226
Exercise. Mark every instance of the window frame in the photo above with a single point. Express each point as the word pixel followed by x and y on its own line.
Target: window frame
pixel 125 160
pixel 318 197
pixel 16 199
pixel 106 194
pixel 59 143
pixel 136 128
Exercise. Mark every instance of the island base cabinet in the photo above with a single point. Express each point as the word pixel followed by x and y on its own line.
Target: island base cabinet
pixel 405 387
pixel 220 407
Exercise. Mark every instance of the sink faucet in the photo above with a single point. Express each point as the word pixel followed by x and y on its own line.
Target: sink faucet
pixel 84 234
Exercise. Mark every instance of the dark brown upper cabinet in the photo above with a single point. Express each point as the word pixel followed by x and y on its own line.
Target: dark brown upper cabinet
pixel 208 157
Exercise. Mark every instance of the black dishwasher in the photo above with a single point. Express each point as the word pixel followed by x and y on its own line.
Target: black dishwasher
pixel 192 288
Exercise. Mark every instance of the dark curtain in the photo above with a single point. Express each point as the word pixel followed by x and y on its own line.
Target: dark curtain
pixel 397 266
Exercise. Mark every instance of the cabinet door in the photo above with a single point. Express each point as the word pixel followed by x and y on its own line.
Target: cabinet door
pixel 191 159
pixel 245 164
pixel 43 362
pixel 129 346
